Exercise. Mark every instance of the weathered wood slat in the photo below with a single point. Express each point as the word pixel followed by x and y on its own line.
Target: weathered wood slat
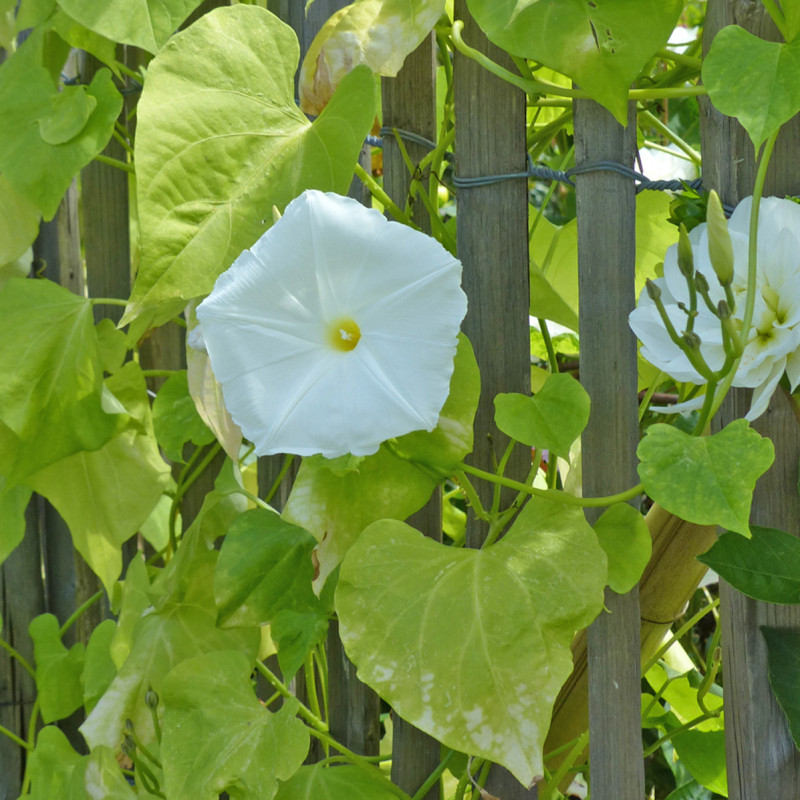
pixel 409 103
pixel 606 260
pixel 762 758
pixel 493 247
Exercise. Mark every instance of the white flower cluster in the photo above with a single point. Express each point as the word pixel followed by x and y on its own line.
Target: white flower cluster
pixel 336 331
pixel 772 345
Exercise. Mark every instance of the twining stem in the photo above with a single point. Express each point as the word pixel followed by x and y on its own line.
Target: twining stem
pixel 107 301
pixel 14 738
pixel 433 778
pixel 23 662
pixel 552 494
pixel 550 789
pixel 667 132
pixel 679 58
pixel 685 727
pixel 688 625
pixel 306 713
pixel 548 343
pixel 115 162
pixel 472 496
pixel 85 606
pixel 376 190
pixel 287 463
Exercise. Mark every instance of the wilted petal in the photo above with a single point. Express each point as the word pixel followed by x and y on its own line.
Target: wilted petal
pixel 336 331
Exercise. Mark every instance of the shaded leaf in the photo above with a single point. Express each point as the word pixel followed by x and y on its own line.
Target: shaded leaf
pixel 56 769
pixel 343 783
pixel 783 650
pixel 428 627
pixel 217 735
pixel 175 418
pixel 708 480
pixel 13 502
pixel 766 566
pixel 19 223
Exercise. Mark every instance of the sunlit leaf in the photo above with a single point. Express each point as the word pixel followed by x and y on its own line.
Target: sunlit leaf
pixel 175 418
pixel 99 668
pixel 705 479
pixel 44 139
pixel 217 117
pixel 625 537
pixel 552 419
pixel 50 395
pixel 766 566
pixel 783 651
pixel 601 45
pixel 429 628
pixel 19 223
pixel 218 736
pixel 378 33
pixel 56 769
pixel 13 502
pixel 144 23
pixel 106 494
pixel 753 80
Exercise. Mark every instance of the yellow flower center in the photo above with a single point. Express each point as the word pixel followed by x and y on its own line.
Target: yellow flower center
pixel 343 334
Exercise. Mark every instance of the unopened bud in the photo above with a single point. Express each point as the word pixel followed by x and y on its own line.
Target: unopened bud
pixel 700 283
pixel 720 249
pixel 128 746
pixel 129 725
pixel 692 340
pixel 723 310
pixel 151 699
pixel 653 290
pixel 685 254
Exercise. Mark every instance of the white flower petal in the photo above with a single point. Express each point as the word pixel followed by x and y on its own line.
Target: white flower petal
pixel 763 393
pixel 679 408
pixel 330 268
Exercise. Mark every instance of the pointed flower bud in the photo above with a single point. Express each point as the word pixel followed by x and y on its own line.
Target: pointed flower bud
pixel 692 340
pixel 685 254
pixel 151 699
pixel 700 282
pixel 720 250
pixel 653 290
pixel 723 310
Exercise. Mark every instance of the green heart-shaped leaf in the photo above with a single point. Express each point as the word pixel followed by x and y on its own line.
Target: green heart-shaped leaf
pixel 705 479
pixel 429 628
pixel 753 80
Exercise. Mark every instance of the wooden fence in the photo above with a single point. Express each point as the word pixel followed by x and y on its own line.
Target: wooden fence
pixel 43 574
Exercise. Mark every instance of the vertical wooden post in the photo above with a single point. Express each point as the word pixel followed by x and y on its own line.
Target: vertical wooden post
pixel 493 248
pixel 606 258
pixel 762 758
pixel 409 103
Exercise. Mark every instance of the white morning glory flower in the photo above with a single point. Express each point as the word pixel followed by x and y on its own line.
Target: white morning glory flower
pixel 336 331
pixel 772 344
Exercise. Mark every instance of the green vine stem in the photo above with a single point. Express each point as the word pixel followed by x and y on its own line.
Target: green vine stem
pixel 115 162
pixel 549 791
pixel 376 190
pixel 15 654
pixel 433 778
pixel 552 494
pixel 752 266
pixel 668 133
pixel 76 614
pixel 777 17
pixel 14 738
pixel 285 467
pixel 108 301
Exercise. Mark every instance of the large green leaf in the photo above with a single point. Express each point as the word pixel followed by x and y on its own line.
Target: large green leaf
pixel 144 23
pixel 19 223
pixel 342 783
pixel 218 737
pixel 753 80
pixel 378 33
pixel 58 670
pixel 50 395
pixel 601 45
pixel 766 566
pixel 552 419
pixel 106 494
pixel 99 668
pixel 217 118
pixel 783 651
pixel 429 628
pixel 708 480
pixel 104 780
pixel 336 506
pixel 625 537
pixel 47 136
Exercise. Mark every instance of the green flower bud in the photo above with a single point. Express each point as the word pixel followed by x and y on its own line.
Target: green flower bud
pixel 700 282
pixel 720 250
pixel 692 340
pixel 151 699
pixel 653 290
pixel 128 746
pixel 723 310
pixel 685 254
